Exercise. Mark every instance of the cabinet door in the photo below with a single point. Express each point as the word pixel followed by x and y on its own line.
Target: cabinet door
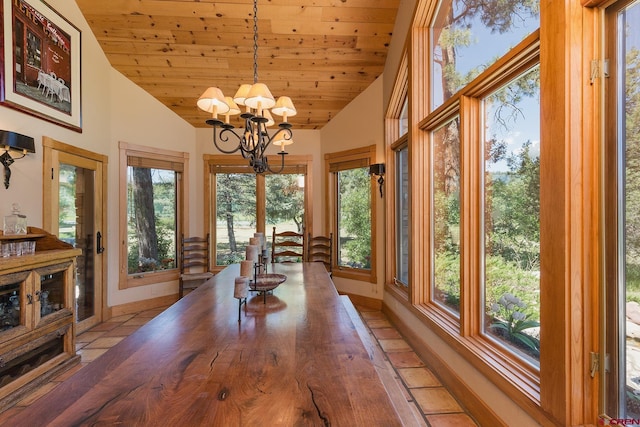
pixel 53 299
pixel 16 294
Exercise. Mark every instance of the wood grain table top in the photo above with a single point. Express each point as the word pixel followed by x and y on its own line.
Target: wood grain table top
pixel 294 360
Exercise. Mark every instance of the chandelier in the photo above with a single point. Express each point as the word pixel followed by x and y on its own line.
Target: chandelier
pixel 259 104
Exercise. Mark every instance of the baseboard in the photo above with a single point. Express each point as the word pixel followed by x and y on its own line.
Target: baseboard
pixel 147 304
pixel 483 414
pixel 372 303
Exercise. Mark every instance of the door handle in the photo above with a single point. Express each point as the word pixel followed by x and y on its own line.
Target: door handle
pixel 99 248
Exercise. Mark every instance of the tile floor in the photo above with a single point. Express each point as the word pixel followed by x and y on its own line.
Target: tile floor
pixel 438 407
pixel 433 402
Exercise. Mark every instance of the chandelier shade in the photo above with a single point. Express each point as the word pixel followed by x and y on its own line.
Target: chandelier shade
pixel 212 101
pixel 254 140
pixel 259 97
pixel 284 107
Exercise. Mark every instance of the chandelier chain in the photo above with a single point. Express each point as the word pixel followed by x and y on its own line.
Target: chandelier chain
pixel 255 41
pixel 255 139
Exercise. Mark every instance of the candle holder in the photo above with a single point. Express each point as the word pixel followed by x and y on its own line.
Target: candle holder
pixel 240 292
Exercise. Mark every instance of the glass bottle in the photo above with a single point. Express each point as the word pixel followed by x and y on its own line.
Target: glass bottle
pixel 15 223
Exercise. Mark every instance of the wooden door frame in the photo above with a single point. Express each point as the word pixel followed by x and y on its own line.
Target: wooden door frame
pixel 51 149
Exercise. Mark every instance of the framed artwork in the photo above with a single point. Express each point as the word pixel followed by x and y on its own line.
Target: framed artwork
pixel 40 63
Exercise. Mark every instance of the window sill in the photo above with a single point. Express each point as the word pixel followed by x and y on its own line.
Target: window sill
pixel 354 274
pixel 149 278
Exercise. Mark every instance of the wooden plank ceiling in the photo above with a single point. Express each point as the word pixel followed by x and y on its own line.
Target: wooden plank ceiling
pixel 321 53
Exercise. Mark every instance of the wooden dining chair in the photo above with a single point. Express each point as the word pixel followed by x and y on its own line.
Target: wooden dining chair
pixel 287 246
pixel 320 249
pixel 194 262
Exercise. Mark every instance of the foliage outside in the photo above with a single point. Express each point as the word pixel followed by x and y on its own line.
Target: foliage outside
pixel 236 214
pixel 632 172
pixel 512 322
pixel 512 213
pixel 151 205
pixel 511 191
pixel 354 218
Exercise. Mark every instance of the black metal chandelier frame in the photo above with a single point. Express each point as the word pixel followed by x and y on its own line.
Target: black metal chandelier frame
pixel 255 139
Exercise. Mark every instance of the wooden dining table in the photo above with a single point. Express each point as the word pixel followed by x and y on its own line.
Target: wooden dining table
pixel 293 358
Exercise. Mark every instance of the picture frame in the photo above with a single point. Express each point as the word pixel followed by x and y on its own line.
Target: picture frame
pixel 40 63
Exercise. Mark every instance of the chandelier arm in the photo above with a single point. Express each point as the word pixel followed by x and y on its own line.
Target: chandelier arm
pixel 286 133
pixel 225 138
pixel 281 154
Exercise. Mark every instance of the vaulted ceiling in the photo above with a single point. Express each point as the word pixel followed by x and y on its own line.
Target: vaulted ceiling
pixel 321 53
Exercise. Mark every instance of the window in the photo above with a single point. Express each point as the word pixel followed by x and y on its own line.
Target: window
pixel 352 207
pixel 467 40
pixel 285 202
pixel 235 215
pixel 474 231
pixel 152 192
pixel 445 206
pixel 398 182
pixel 621 399
pixel 34 50
pixel 402 215
pixel 244 203
pixel 353 218
pixel 404 117
pixel 512 215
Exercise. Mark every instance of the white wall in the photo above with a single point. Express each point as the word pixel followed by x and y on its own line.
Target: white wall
pixel 113 109
pixel 360 124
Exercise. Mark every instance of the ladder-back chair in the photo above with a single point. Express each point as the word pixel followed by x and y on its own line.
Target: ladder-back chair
pixel 287 246
pixel 194 262
pixel 320 249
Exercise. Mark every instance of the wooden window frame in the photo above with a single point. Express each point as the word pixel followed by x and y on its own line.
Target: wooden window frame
pixel 345 160
pixel 150 157
pixel 571 217
pixel 395 142
pixel 301 164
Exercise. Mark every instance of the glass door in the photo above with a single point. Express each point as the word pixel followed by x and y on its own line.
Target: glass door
pixel 75 215
pixel 621 386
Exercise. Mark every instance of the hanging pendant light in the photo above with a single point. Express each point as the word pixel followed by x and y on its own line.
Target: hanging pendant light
pixel 259 103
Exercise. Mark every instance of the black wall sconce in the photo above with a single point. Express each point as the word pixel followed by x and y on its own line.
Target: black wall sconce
pixel 13 143
pixel 377 169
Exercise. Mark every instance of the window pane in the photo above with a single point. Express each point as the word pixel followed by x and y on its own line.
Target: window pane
pixel 354 218
pixel 402 216
pixel 151 207
pixel 468 39
pixel 235 215
pixel 623 392
pixel 512 215
pixel 404 117
pixel 446 215
pixel 285 202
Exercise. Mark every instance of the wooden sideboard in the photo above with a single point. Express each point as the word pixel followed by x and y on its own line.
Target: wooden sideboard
pixel 36 314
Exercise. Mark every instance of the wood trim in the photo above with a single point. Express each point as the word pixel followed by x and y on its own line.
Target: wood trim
pixel 54 152
pixel 393 142
pixel 147 304
pixel 125 150
pixel 419 163
pixel 594 3
pixel 470 217
pixel 569 211
pixel 368 152
pixel 360 300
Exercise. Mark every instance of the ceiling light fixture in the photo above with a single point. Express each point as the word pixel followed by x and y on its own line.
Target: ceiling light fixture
pixel 259 104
